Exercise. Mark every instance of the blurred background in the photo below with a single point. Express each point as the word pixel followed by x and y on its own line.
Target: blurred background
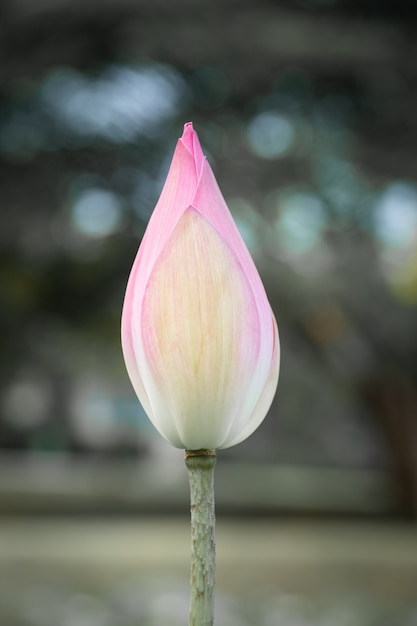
pixel 306 111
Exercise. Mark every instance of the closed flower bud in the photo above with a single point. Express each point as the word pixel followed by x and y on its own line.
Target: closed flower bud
pixel 199 337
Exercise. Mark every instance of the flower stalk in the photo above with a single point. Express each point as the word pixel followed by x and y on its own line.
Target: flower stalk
pixel 200 465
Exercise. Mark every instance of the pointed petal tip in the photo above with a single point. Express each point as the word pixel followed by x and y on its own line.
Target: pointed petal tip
pixel 187 136
pixel 192 143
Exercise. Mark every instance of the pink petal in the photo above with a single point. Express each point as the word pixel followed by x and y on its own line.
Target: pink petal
pixel 245 425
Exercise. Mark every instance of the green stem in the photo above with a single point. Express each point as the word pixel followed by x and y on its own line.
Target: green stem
pixel 200 465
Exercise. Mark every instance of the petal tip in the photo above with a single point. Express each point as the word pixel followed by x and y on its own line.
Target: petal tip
pixel 187 136
pixel 191 142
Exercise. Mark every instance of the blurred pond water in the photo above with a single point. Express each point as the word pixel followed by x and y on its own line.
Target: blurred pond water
pixel 119 572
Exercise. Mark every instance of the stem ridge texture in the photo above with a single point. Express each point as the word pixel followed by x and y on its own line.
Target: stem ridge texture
pixel 200 465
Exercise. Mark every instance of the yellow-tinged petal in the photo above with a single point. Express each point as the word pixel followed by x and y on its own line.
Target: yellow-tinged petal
pixel 200 333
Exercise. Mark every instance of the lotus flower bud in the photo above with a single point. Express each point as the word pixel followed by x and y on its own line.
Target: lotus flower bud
pixel 199 337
